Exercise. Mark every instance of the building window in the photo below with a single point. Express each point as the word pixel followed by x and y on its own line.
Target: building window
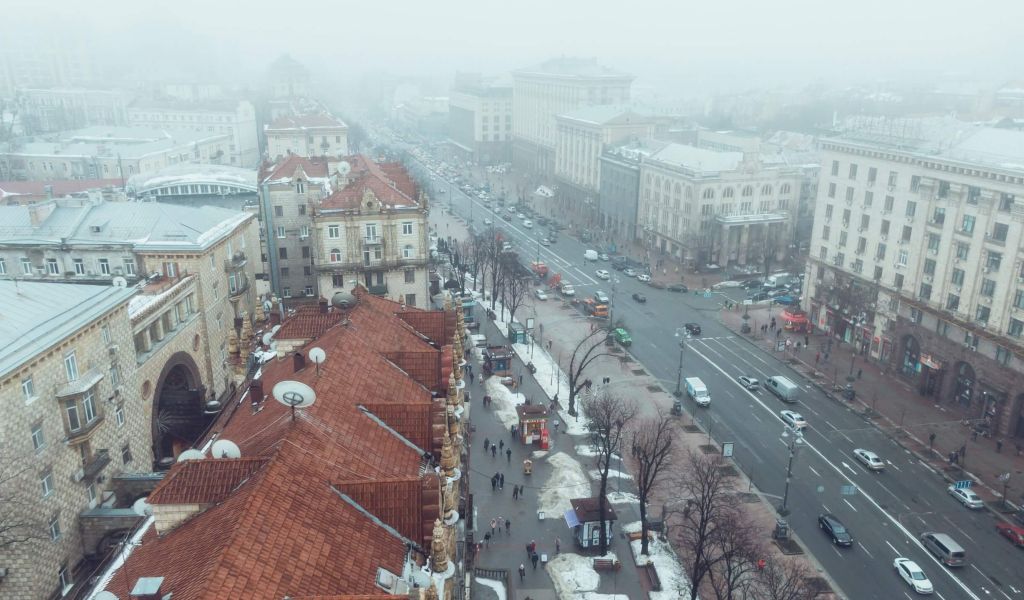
pixel 46 482
pixel 407 228
pixel 285 271
pixel 370 232
pixel 958 277
pixel 878 273
pixel 126 454
pixel 280 232
pixel 831 190
pixel 902 258
pixel 897 281
pixel 52 267
pixel 410 299
pixel 38 440
pixel 305 252
pixel 1006 202
pixel 71 365
pixel 929 267
pixel 835 167
pixel 993 261
pixel 119 415
pixel 74 420
pixel 3 266
pixel 849 194
pixel 1018 299
pixel 1003 355
pixel 825 231
pixel 335 255
pixel 962 251
pixel 278 211
pixel 842 238
pixel 129 266
pixel 933 242
pixel 748 191
pixel 926 291
pixel 282 253
pixel 308 290
pixel 911 208
pixel 304 232
pixel 410 276
pixel 302 209
pixel 26 266
pixel 55 528
pixel 982 314
pixel 973 194
pixel 1016 328
pixel 104 266
pixel 953 302
pixel 988 287
pixel 853 170
pixel 889 201
pixel 407 251
pixel 333 231
pixel 286 292
pixel 1000 232
pixel 939 215
pixel 28 390
pixel 967 226
pixel 66 581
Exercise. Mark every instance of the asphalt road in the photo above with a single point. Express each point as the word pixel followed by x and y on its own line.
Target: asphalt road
pixel 884 511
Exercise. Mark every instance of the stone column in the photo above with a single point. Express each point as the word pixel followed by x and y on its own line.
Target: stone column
pixel 741 257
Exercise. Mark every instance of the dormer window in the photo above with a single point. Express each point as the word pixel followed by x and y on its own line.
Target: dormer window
pixel 300 186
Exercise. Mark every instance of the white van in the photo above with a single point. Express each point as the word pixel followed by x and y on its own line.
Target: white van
pixel 696 390
pixel 590 255
pixel 783 387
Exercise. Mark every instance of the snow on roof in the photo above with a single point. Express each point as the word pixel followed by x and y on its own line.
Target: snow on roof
pixel 193 173
pixel 565 66
pixel 602 114
pixel 697 159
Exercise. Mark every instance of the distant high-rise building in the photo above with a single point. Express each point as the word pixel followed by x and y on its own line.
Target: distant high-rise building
pixel 36 58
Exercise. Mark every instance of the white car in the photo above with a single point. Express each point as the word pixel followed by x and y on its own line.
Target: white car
pixel 528 224
pixel 521 216
pixel 869 459
pixel 913 575
pixel 604 257
pixel 793 419
pixel 644 277
pixel 540 294
pixel 602 274
pixel 966 497
pixel 488 222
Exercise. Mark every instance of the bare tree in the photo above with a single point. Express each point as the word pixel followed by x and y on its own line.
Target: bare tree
pixel 608 417
pixel 587 350
pixel 786 579
pixel 653 451
pixel 16 503
pixel 514 284
pixel 457 264
pixel 710 504
pixel 737 550
pixel 851 299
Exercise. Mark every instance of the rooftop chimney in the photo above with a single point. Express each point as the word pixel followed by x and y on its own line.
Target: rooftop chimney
pixel 323 306
pixel 38 212
pixel 147 588
pixel 256 391
pixel 299 361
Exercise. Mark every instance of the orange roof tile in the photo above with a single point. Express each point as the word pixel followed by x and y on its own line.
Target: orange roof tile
pixel 308 323
pixel 392 186
pixel 204 481
pixel 286 167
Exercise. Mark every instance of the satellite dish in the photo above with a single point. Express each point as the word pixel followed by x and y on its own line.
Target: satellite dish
pixel 294 394
pixel 142 507
pixel 120 282
pixel 275 328
pixel 191 454
pixel 267 337
pixel 105 595
pixel 225 449
pixel 317 355
pixel 344 168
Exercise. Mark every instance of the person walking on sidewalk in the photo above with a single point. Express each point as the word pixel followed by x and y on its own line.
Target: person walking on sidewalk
pixel 508 526
pixel 487 444
pixel 534 558
pixel 487 540
pixel 494 525
pixel 999 446
pixel 522 572
pixel 501 481
pixel 494 451
pixel 508 455
pixel 558 545
pixel 515 492
pixel 501 523
pixel 501 445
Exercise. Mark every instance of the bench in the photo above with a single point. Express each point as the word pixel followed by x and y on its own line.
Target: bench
pixel 606 564
pixel 652 577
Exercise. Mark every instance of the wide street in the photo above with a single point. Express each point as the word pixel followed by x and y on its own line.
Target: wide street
pixel 884 511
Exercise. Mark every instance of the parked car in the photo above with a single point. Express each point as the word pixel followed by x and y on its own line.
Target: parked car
pixel 528 224
pixel 540 294
pixel 793 419
pixel 869 459
pixel 602 274
pixel 692 328
pixel 639 298
pixel 643 277
pixel 835 529
pixel 913 575
pixel 721 285
pixel 786 300
pixel 656 284
pixel 749 382
pixel 604 257
pixel 966 496
pixel 752 284
pixel 488 222
pixel 629 272
pixel 678 287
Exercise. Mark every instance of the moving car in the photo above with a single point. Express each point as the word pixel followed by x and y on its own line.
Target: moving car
pixel 488 222
pixel 540 294
pixel 678 287
pixel 692 328
pixel 793 419
pixel 749 382
pixel 640 298
pixel 521 217
pixel 944 548
pixel 751 284
pixel 869 459
pixel 590 255
pixel 1011 532
pixel 783 387
pixel 567 289
pixel 758 297
pixel 629 272
pixel 835 530
pixel 601 297
pixel 604 256
pixel 644 277
pixel 696 390
pixel 913 575
pixel 528 224
pixel 966 496
pixel 786 300
pixel 545 242
pixel 621 336
pixel 602 274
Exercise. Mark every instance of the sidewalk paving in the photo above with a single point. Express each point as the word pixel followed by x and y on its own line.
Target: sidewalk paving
pixel 891 403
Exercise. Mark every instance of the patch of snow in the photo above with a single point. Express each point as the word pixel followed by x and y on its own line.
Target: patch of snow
pixel 674 582
pixel 590 450
pixel 623 498
pixel 572 574
pixel 497 586
pixel 595 596
pixel 567 481
pixel 631 527
pixel 612 473
pixel 504 401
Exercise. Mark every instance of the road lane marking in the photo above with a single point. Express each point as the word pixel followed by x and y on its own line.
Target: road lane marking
pixel 864 494
pixel 850 505
pixel 940 596
pixel 893 547
pixel 865 550
pixel 831 425
pixel 962 532
pixel 813 471
pixel 852 470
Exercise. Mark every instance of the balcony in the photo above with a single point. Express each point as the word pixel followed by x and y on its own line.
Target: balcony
pixel 240 287
pixel 373 265
pixel 379 290
pixel 84 432
pixel 237 261
pixel 92 467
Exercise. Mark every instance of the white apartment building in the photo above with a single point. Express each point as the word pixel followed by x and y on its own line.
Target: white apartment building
pixel 916 258
pixel 717 208
pixel 109 153
pixel 234 118
pixel 372 231
pixel 306 135
pixel 555 87
pixel 480 120
pixel 45 110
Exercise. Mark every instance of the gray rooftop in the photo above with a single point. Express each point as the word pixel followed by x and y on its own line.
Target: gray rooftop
pixel 697 159
pixel 125 142
pixel 602 114
pixel 145 226
pixel 38 315
pixel 582 68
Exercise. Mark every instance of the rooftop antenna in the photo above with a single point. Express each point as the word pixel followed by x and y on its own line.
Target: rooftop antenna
pixel 191 454
pixel 318 356
pixel 225 449
pixel 142 507
pixel 294 394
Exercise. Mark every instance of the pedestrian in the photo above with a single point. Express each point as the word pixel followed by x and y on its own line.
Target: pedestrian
pixel 859 373
pixel 974 435
pixel 515 492
pixel 778 333
pixel 529 549
pixel 1019 449
pixel 487 444
pixel 761 564
pixel 534 558
pixel 501 523
pixel 487 540
pixel 963 451
pixel 494 525
pixel 558 545
pixel 952 458
pixel 501 445
pixel 557 423
pixel 494 451
pixel 520 381
pixel 549 344
pixel 807 341
pixel 471 376
pixel 826 356
pixel 501 481
pixel 999 445
pixel 494 484
pixel 522 571
pixel 512 431
pixel 508 526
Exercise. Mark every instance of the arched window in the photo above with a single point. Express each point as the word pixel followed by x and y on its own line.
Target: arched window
pixel 727 192
pixel 709 194
pixel 689 193
pixel 335 255
pixel 784 189
pixel 668 187
pixel 748 191
pixel 766 190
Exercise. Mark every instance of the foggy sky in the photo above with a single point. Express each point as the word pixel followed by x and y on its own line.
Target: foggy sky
pixel 714 45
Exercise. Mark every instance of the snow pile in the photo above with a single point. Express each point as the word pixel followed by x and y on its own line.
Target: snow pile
pixel 623 498
pixel 595 474
pixel 591 450
pixel 497 586
pixel 504 401
pixel 567 481
pixel 674 582
pixel 549 376
pixel 572 574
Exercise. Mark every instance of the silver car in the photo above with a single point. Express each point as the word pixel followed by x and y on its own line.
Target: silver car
pixel 869 459
pixel 966 497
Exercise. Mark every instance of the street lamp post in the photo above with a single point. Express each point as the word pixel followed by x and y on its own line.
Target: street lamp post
pixel 679 374
pixel 794 444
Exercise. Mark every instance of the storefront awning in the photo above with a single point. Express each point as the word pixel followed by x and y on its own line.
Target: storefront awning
pixel 570 518
pixel 794 317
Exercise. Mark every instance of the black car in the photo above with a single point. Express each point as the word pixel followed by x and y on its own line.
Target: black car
pixel 640 298
pixel 835 530
pixel 692 328
pixel 751 284
pixel 678 287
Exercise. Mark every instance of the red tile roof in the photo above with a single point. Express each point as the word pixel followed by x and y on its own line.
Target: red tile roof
pixel 58 188
pixel 310 121
pixel 390 183
pixel 285 168
pixel 204 481
pixel 308 323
